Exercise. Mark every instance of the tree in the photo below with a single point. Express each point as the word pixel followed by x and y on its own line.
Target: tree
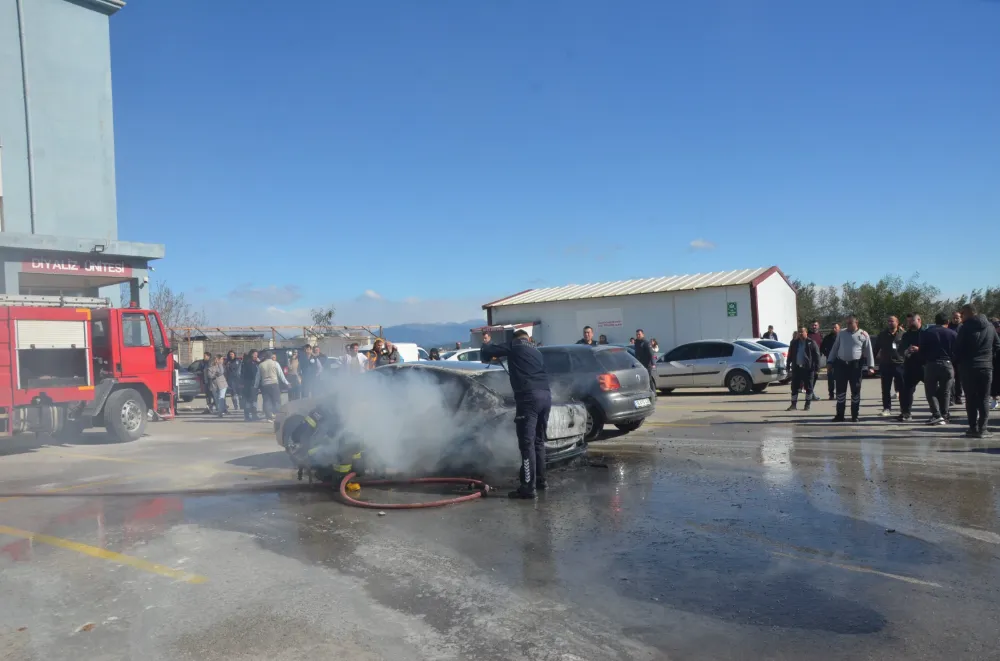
pixel 174 309
pixel 323 316
pixel 891 295
pixel 817 304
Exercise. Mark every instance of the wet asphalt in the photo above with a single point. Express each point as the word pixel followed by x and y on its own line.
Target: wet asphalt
pixel 724 529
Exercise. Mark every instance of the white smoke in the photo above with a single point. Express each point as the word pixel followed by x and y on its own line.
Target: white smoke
pixel 407 421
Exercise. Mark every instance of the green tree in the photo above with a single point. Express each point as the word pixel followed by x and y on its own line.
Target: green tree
pixel 323 316
pixel 891 295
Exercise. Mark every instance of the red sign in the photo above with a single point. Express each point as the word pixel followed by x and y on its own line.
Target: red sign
pixel 94 267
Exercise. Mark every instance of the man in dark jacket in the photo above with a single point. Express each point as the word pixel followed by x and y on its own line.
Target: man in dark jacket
pixel 956 395
pixel 975 348
pixel 235 385
pixel 889 358
pixel 824 349
pixel 588 337
pixel 644 354
pixel 937 346
pixel 248 376
pixel 816 337
pixel 533 399
pixel 913 364
pixel 770 334
pixel 803 355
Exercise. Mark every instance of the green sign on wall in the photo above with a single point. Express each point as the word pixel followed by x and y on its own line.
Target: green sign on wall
pixel 731 309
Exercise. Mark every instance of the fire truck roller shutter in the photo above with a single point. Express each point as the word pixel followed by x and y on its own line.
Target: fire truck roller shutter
pixel 45 334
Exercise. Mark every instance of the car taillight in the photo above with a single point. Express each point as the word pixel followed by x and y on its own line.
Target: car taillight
pixel 608 382
pixel 766 358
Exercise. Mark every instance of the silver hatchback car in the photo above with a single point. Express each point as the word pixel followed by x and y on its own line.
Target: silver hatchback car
pixel 742 367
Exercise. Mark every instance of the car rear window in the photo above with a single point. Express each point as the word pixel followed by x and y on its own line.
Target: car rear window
pixel 616 359
pixel 752 346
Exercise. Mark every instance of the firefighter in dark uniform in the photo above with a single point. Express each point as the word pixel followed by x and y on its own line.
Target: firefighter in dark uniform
pixel 533 398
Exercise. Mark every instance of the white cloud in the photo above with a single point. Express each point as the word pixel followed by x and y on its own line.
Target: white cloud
pixel 411 300
pixel 702 244
pixel 373 295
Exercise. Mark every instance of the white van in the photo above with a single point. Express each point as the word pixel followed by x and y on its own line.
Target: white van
pixel 408 351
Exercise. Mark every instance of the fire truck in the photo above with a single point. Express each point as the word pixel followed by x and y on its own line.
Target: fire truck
pixel 70 363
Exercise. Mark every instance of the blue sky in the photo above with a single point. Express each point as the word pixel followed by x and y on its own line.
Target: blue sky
pixel 409 161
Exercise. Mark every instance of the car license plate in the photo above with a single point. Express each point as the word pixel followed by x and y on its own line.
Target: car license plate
pixel 642 403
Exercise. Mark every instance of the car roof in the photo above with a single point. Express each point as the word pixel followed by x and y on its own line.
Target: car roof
pixel 453 366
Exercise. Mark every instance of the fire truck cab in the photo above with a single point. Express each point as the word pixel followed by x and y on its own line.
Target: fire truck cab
pixel 69 363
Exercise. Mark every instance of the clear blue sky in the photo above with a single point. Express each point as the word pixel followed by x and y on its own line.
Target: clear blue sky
pixel 451 152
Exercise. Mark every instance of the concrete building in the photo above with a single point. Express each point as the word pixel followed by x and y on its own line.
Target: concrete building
pixel 674 310
pixel 58 218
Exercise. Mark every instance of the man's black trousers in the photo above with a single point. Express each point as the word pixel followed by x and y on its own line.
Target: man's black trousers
pixel 912 375
pixel 802 376
pixel 531 421
pixel 848 373
pixel 977 395
pixel 891 375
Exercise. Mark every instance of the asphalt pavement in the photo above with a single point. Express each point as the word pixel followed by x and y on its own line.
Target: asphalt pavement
pixel 725 528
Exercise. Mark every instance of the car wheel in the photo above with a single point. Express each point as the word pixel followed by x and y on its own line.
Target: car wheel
pixel 760 387
pixel 629 427
pixel 595 423
pixel 739 382
pixel 187 399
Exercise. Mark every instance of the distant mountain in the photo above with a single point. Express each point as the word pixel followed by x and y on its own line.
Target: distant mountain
pixel 433 335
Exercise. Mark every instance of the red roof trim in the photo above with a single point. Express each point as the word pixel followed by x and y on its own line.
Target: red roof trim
pixel 487 306
pixel 767 274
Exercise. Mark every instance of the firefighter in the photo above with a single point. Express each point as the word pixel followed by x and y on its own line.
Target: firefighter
pixel 852 353
pixel 533 399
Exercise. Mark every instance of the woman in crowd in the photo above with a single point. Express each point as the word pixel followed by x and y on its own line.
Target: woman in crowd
pixel 434 354
pixel 378 349
pixel 655 346
pixel 215 378
pixel 294 380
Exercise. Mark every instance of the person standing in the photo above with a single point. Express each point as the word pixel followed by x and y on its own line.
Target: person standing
pixel 234 385
pixel 588 337
pixel 956 396
pixel 269 379
pixel 770 334
pixel 215 378
pixel 825 349
pixel 391 355
pixel 603 339
pixel 533 401
pixel 890 362
pixel 249 377
pixel 376 355
pixel 293 376
pixel 976 347
pixel 816 337
pixel 937 346
pixel 913 364
pixel 644 354
pixel 203 366
pixel 803 353
pixel 852 354
pixel 309 371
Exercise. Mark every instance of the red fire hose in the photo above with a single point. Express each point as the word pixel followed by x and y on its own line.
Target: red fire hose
pixel 483 490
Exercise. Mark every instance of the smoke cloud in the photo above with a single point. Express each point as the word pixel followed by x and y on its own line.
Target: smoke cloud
pixel 412 421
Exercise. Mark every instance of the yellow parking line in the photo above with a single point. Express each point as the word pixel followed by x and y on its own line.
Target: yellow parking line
pixel 104 554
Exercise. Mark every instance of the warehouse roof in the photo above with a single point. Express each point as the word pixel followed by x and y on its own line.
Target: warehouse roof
pixel 641 286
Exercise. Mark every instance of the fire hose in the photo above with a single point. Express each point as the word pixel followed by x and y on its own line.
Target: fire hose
pixel 482 490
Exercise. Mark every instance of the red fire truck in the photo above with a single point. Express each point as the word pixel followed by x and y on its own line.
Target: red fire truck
pixel 69 363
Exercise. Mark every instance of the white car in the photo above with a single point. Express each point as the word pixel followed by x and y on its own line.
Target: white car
pixel 741 366
pixel 465 355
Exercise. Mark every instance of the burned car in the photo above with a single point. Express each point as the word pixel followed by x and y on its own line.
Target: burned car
pixel 418 418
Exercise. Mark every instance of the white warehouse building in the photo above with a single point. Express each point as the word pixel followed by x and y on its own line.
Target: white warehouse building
pixel 674 309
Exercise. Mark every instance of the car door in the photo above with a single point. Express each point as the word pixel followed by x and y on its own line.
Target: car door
pixel 710 366
pixel 674 369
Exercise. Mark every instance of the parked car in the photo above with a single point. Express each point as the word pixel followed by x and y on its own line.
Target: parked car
pixel 188 385
pixel 479 400
pixel 464 355
pixel 775 345
pixel 608 380
pixel 742 367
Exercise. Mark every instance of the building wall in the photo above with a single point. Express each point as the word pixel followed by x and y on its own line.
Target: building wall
pixel 776 306
pixel 67 59
pixel 672 318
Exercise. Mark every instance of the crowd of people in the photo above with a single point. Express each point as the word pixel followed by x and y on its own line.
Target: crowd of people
pixel 955 359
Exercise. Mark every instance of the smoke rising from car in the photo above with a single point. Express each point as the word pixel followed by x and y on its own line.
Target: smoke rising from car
pixel 407 422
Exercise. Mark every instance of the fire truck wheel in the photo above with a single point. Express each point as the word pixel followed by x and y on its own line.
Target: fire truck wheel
pixel 125 415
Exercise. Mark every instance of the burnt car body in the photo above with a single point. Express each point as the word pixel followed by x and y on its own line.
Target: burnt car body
pixel 473 429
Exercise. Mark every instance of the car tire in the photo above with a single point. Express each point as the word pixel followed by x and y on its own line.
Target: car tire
pixel 595 423
pixel 665 391
pixel 125 415
pixel 187 399
pixel 759 387
pixel 739 382
pixel 629 427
